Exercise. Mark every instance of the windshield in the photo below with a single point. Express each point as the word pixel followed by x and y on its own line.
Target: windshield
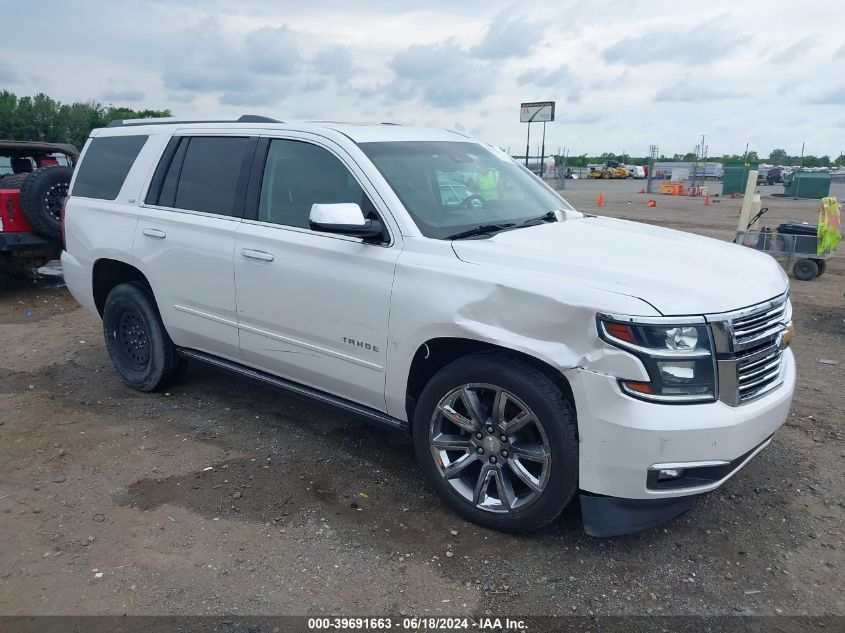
pixel 449 187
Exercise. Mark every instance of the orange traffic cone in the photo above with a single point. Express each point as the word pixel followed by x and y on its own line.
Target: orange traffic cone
pixel 707 200
pixel 652 203
pixel 601 199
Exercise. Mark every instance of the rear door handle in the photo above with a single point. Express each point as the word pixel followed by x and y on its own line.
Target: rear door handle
pixel 154 233
pixel 265 257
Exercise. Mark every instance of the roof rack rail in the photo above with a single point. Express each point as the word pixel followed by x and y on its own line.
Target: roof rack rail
pixel 244 118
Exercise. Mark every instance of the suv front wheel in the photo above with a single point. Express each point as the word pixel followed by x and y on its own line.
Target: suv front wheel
pixel 138 344
pixel 497 440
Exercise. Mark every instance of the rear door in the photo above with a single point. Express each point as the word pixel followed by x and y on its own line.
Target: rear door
pixel 185 238
pixel 313 307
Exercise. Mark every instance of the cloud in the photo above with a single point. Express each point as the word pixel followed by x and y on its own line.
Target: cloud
pixel 833 96
pixel 788 54
pixel 254 71
pixel 685 92
pixel 542 77
pixel 126 94
pixel 696 46
pixel 181 97
pixel 204 62
pixel 249 98
pixel 555 79
pixel 272 51
pixel 215 57
pixel 335 62
pixel 203 77
pixel 8 74
pixel 441 75
pixel 577 119
pixel 508 37
pixel 790 86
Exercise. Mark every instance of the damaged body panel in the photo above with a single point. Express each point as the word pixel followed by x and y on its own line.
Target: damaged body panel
pixel 437 295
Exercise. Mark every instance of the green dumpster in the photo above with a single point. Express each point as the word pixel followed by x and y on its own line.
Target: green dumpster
pixel 735 177
pixel 807 184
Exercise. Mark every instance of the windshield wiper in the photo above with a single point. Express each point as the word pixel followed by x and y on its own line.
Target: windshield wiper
pixel 484 229
pixel 546 217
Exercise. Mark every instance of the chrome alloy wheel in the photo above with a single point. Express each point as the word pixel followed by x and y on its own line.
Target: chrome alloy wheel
pixel 490 447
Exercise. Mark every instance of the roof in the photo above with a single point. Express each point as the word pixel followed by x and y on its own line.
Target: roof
pixel 358 132
pixel 374 132
pixel 27 149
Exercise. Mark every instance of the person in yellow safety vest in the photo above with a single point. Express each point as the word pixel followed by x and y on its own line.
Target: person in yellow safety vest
pixel 487 183
pixel 830 227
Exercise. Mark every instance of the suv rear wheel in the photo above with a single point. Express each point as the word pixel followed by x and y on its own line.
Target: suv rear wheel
pixel 497 440
pixel 138 344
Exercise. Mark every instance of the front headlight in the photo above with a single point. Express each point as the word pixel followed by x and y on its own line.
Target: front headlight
pixel 679 358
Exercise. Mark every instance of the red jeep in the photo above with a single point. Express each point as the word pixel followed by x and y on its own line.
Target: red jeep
pixel 32 192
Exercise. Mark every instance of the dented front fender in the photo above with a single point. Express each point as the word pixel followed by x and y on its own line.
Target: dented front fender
pixel 437 296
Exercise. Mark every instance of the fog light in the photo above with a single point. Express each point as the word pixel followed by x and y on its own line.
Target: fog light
pixel 670 473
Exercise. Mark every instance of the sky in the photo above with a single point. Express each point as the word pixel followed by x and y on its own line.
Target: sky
pixel 624 75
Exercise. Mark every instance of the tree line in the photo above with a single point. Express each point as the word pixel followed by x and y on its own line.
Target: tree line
pixel 41 118
pixel 776 157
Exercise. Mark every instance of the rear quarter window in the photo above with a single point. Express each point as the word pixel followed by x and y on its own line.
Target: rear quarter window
pixel 212 173
pixel 105 165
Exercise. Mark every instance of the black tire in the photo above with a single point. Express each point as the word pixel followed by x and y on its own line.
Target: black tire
pixel 42 194
pixel 805 269
pixel 13 181
pixel 138 344
pixel 551 406
pixel 822 264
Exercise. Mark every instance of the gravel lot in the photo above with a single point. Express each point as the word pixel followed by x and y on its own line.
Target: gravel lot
pixel 222 497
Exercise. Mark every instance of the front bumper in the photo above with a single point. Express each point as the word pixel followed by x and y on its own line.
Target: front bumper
pixel 611 516
pixel 622 438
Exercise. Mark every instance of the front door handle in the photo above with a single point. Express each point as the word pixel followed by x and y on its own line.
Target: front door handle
pixel 154 233
pixel 265 257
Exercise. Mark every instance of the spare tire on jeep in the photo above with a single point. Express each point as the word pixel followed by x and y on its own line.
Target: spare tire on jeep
pixel 42 194
pixel 13 181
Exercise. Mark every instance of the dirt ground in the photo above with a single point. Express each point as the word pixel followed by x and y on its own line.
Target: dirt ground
pixel 220 497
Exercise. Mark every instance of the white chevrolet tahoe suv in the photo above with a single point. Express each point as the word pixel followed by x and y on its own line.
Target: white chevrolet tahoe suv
pixel 426 281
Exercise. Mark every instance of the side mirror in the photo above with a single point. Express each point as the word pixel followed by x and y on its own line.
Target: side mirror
pixel 344 218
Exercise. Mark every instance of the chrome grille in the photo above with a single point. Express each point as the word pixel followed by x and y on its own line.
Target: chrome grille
pixel 758 328
pixel 759 372
pixel 750 350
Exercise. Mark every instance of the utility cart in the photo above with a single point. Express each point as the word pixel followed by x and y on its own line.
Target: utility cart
pixel 791 243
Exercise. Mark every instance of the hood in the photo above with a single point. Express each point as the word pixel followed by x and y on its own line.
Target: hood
pixel 678 273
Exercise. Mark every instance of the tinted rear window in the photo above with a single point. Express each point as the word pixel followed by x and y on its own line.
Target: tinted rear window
pixel 210 174
pixel 107 161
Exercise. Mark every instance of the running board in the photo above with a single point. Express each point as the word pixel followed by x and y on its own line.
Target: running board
pixel 307 393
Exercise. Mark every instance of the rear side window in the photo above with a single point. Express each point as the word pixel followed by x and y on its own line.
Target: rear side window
pixel 105 166
pixel 205 173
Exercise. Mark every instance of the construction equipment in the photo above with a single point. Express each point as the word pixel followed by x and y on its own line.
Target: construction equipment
pixel 611 169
